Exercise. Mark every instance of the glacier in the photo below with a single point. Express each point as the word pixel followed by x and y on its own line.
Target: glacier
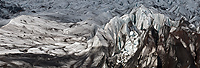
pixel 112 34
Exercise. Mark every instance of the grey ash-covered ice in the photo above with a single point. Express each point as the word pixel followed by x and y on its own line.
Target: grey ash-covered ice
pixel 99 33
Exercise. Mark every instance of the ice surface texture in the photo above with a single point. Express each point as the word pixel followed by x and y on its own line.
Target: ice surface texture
pixel 144 34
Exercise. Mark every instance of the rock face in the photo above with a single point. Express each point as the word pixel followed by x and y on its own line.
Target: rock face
pixel 144 37
pixel 9 9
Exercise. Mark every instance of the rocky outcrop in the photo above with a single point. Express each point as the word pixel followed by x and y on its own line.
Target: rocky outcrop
pixel 9 9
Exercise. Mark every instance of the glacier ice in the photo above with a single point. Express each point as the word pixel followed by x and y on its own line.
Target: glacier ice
pixel 123 34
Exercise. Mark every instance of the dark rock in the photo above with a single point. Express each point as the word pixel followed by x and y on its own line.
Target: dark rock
pixel 8 9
